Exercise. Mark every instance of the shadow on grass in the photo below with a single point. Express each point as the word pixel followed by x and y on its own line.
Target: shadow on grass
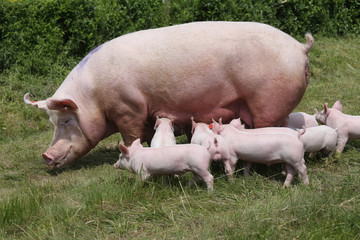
pixel 96 157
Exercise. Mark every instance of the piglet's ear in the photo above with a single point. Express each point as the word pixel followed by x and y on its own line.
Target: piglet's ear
pixel 157 123
pixel 61 105
pixel 337 105
pixel 325 107
pixel 193 125
pixel 137 143
pixel 123 149
pixel 172 122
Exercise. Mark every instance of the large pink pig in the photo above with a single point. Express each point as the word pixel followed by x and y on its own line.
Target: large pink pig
pixel 203 69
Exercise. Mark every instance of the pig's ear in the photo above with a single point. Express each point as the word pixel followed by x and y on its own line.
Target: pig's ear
pixel 157 123
pixel 337 105
pixel 220 121
pixel 40 104
pixel 61 105
pixel 123 149
pixel 137 143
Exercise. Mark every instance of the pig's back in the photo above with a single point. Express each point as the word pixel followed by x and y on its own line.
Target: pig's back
pixel 209 57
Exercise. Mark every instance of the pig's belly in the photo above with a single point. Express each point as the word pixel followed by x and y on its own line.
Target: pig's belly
pixel 233 110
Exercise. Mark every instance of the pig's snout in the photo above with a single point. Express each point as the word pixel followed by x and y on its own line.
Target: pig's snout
pixel 116 165
pixel 49 159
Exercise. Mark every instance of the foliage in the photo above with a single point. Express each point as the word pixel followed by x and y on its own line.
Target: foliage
pixel 35 35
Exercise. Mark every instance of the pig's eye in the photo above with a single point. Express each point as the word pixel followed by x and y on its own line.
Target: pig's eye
pixel 66 122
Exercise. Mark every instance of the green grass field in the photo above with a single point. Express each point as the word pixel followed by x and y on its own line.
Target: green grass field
pixel 92 200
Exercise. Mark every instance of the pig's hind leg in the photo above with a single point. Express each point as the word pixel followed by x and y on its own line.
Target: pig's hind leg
pixel 301 168
pixel 206 177
pixel 328 153
pixel 229 169
pixel 290 171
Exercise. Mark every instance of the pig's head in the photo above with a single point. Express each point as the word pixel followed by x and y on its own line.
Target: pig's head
pixel 124 161
pixel 216 127
pixel 322 116
pixel 69 141
pixel 199 127
pixel 165 123
pixel 237 124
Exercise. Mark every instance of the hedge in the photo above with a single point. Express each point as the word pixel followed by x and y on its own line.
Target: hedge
pixel 35 34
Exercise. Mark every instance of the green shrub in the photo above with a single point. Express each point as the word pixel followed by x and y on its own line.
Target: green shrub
pixel 38 34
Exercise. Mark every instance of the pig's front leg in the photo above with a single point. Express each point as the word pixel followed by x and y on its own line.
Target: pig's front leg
pixel 247 166
pixel 131 127
pixel 208 179
pixel 144 175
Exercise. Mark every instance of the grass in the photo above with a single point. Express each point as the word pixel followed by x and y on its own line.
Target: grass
pixel 92 200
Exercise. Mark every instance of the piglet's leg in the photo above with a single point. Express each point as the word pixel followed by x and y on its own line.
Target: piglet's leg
pixel 196 179
pixel 145 175
pixel 228 168
pixel 328 153
pixel 209 180
pixel 341 141
pixel 290 171
pixel 301 168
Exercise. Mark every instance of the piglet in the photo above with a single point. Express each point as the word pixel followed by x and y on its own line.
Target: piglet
pixel 321 138
pixel 215 144
pixel 268 148
pixel 346 126
pixel 164 133
pixel 236 122
pixel 176 159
